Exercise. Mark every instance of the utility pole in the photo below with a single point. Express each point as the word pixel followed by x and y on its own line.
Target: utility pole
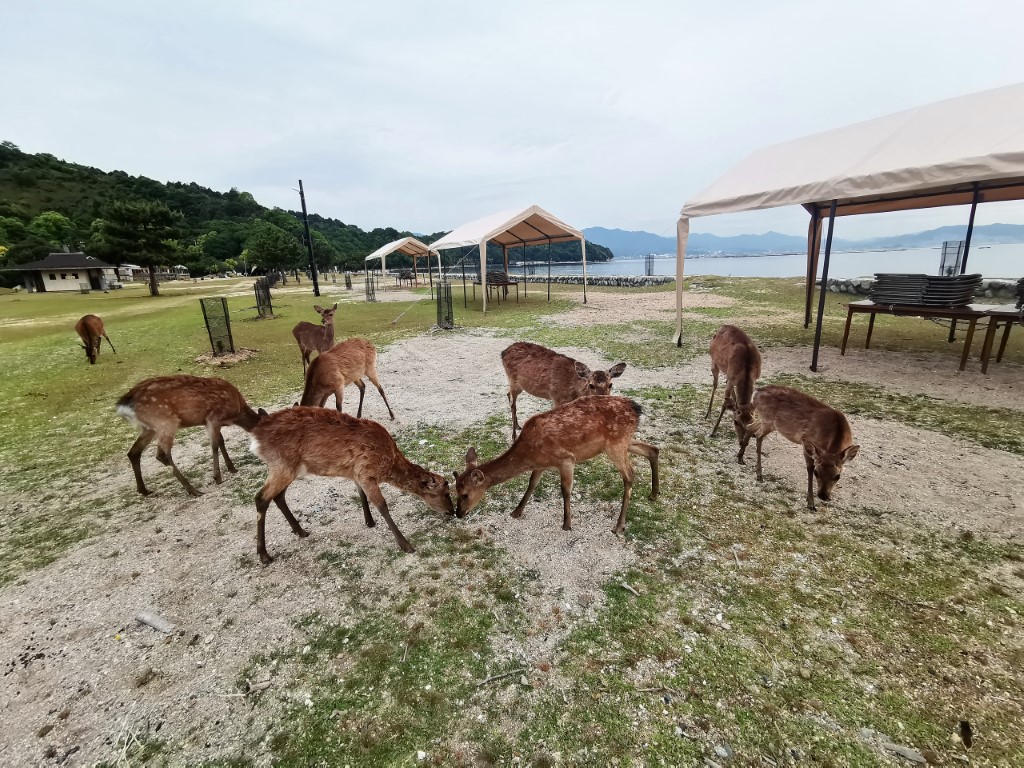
pixel 309 241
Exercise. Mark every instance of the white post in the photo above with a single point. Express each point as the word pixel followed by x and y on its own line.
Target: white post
pixel 583 247
pixel 682 233
pixel 483 272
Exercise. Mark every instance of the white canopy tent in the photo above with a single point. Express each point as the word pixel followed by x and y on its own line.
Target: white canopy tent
pixel 510 229
pixel 409 246
pixel 960 151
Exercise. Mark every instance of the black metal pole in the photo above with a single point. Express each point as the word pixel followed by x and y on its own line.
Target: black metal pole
pixel 824 285
pixel 967 250
pixel 309 241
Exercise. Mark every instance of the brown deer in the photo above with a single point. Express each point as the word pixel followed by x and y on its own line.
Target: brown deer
pixel 300 441
pixel 90 329
pixel 559 439
pixel 345 363
pixel 737 356
pixel 823 431
pixel 315 338
pixel 161 406
pixel 544 373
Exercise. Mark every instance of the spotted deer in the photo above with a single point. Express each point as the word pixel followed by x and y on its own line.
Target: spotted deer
pixel 734 354
pixel 315 338
pixel 544 373
pixel 823 432
pixel 559 439
pixel 90 330
pixel 161 406
pixel 345 363
pixel 316 441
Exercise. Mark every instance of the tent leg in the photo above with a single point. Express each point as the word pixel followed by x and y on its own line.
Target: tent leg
pixel 824 285
pixel 813 249
pixel 583 248
pixel 967 250
pixel 465 301
pixel 549 271
pixel 524 270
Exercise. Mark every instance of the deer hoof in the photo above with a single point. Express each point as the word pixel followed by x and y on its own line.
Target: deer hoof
pixel 517 513
pixel 566 527
pixel 407 547
pixel 741 460
pixel 265 558
pixel 302 533
pixel 194 493
pixel 218 480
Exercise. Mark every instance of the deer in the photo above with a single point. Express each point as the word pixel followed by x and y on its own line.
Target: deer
pixel 90 329
pixel 737 356
pixel 559 439
pixel 345 363
pixel 315 338
pixel 544 373
pixel 161 406
pixel 823 431
pixel 317 441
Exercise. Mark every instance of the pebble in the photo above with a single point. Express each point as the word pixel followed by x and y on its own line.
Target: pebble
pixel 143 676
pixel 724 751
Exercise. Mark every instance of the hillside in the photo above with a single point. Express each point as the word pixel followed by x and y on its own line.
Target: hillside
pixel 47 203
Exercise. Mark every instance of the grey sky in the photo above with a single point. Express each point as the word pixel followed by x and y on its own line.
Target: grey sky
pixel 423 116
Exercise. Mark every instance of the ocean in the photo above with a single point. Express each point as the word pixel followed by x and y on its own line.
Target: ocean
pixel 989 260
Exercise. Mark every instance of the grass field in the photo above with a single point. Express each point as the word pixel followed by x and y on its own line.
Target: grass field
pixel 740 630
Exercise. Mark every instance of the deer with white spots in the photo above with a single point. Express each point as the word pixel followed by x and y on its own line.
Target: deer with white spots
pixel 161 406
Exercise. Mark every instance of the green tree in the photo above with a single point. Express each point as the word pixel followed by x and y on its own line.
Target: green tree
pixel 55 228
pixel 269 246
pixel 142 233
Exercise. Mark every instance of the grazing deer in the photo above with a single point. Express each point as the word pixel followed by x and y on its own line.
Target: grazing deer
pixel 345 363
pixel 737 356
pixel 90 329
pixel 823 431
pixel 161 406
pixel 559 439
pixel 315 338
pixel 300 441
pixel 544 373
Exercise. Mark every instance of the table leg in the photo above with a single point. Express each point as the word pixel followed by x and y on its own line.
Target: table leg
pixel 846 333
pixel 952 332
pixel 986 347
pixel 1002 342
pixel 871 327
pixel 967 343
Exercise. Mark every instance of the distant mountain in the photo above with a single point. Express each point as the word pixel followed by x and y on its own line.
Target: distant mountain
pixel 627 244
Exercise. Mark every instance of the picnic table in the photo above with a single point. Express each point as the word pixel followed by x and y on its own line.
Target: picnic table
pixel 971 313
pixel 496 280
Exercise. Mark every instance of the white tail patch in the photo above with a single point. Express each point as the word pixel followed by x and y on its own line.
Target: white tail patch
pixel 127 412
pixel 254 447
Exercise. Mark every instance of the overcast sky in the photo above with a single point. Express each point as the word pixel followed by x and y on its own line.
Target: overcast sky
pixel 425 115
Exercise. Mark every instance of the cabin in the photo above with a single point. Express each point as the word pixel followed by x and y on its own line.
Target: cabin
pixel 68 272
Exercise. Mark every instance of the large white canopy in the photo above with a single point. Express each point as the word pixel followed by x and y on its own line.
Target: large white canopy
pixel 410 246
pixel 953 152
pixel 510 229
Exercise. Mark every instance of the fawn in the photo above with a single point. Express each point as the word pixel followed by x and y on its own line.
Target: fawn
pixel 300 441
pixel 161 406
pixel 544 373
pixel 823 431
pixel 90 329
pixel 345 363
pixel 315 338
pixel 737 356
pixel 559 439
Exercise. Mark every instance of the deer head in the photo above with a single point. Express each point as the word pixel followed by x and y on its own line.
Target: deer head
pixel 599 382
pixel 90 352
pixel 828 467
pixel 326 315
pixel 434 490
pixel 469 486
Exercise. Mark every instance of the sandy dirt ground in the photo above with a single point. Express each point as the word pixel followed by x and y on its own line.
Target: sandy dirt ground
pixel 81 675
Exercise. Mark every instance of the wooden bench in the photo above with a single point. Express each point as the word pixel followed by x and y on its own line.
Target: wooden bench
pixel 498 280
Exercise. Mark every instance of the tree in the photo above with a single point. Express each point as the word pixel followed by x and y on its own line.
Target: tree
pixel 143 233
pixel 53 227
pixel 269 247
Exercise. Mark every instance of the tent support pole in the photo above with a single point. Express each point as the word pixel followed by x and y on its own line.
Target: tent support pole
pixel 824 285
pixel 813 247
pixel 483 272
pixel 583 249
pixel 430 275
pixel 549 270
pixel 967 250
pixel 465 301
pixel 524 270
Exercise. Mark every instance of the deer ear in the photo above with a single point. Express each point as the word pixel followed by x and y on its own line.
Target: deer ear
pixel 851 453
pixel 471 457
pixel 811 449
pixel 616 370
pixel 261 413
pixel 335 305
pixel 318 308
pixel 581 370
pixel 476 477
pixel 429 483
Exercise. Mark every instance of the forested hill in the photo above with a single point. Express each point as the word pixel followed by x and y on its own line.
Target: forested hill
pixel 47 203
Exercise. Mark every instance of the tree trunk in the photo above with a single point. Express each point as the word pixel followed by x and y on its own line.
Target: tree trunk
pixel 154 289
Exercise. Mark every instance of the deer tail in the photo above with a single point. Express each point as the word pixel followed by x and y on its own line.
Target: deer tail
pixel 126 407
pixel 110 343
pixel 637 408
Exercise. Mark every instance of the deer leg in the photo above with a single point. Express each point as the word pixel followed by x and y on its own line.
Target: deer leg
pixel 367 515
pixel 513 393
pixel 714 387
pixel 274 487
pixel 372 376
pixel 163 455
pixel 760 439
pixel 725 403
pixel 297 529
pixel 621 461
pixel 373 493
pixel 810 481
pixel 565 472
pixel 744 441
pixel 530 488
pixel 224 451
pixel 651 453
pixel 362 393
pixel 339 397
pixel 135 457
pixel 215 443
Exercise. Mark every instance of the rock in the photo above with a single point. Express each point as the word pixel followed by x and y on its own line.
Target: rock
pixel 421 755
pixel 906 752
pixel 805 674
pixel 724 751
pixel 143 676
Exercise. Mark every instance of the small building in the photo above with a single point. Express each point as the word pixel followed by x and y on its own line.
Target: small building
pixel 68 272
pixel 129 273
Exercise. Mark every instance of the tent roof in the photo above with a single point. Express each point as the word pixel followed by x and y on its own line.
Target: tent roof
pixel 922 157
pixel 511 228
pixel 62 261
pixel 410 246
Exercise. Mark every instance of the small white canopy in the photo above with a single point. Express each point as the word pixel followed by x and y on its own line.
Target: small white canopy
pixel 959 151
pixel 410 246
pixel 510 229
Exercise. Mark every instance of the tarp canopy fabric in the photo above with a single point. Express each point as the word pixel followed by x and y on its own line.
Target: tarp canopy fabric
pixel 511 229
pixel 951 152
pixel 410 246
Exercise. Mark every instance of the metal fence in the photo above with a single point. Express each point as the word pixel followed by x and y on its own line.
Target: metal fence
pixel 348 281
pixel 218 324
pixel 371 287
pixel 263 303
pixel 445 312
